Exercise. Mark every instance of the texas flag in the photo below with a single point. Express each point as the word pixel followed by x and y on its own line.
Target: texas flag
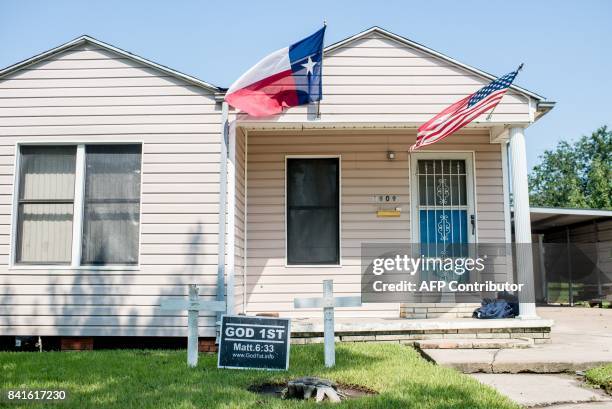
pixel 286 78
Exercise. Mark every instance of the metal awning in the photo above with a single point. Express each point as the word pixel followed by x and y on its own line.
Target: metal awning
pixel 543 218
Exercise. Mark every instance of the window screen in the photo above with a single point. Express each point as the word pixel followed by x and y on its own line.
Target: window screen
pixel 111 204
pixel 45 204
pixel 313 211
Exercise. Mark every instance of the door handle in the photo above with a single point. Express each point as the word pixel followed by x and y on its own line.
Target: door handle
pixel 473 222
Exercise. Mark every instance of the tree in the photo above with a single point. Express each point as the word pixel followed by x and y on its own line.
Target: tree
pixel 577 175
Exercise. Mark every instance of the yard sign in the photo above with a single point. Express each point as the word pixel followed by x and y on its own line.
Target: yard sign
pixel 254 342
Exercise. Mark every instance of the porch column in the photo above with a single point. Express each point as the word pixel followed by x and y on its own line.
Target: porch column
pixel 522 223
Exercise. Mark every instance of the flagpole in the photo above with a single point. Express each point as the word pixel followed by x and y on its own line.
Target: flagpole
pixel 321 96
pixel 520 67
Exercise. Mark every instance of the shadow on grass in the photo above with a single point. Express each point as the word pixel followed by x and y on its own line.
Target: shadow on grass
pixel 161 379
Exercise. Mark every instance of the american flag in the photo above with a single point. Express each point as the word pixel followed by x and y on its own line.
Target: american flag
pixel 463 112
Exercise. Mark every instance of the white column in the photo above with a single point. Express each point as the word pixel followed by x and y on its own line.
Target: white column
pixel 522 223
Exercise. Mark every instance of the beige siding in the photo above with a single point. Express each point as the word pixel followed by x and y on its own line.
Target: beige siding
pixel 271 286
pixel 377 79
pixel 88 94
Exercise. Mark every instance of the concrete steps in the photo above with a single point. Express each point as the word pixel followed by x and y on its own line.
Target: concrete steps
pixel 505 343
pixel 539 359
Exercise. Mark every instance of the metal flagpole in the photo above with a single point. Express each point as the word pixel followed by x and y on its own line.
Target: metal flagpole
pixel 520 67
pixel 320 96
pixel 222 206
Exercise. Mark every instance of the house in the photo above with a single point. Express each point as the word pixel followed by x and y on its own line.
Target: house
pixel 111 195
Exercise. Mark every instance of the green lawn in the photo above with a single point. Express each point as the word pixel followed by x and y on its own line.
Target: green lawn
pixel 559 292
pixel 601 376
pixel 161 379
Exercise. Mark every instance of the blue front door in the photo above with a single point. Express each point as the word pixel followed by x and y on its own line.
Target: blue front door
pixel 443 206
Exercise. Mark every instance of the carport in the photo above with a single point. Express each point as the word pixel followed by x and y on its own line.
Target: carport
pixel 572 255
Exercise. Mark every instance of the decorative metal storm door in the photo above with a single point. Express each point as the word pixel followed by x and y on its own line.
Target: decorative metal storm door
pixel 443 206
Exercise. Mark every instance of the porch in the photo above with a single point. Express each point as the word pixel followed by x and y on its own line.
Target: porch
pixel 379 89
pixel 371 162
pixel 456 333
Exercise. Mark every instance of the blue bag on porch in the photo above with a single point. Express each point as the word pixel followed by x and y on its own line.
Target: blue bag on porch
pixel 511 299
pixel 492 309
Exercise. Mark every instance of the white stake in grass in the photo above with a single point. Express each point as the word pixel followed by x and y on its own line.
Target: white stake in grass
pixel 328 303
pixel 193 306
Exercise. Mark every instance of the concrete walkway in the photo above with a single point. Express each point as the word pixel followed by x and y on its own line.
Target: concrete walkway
pixel 581 339
pixel 555 391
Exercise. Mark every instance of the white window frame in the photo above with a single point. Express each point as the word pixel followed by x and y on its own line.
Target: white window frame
pixel 468 156
pixel 77 218
pixel 339 265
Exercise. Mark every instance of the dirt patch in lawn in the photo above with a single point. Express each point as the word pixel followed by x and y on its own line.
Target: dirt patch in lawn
pixel 346 391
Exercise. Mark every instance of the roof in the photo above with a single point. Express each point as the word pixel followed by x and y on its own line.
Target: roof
pixel 433 53
pixel 87 39
pixel 542 104
pixel 543 218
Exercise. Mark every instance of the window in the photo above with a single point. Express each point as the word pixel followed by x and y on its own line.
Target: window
pixel 45 204
pixel 112 205
pixel 90 192
pixel 313 211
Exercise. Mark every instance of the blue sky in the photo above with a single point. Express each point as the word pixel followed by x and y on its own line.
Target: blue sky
pixel 565 44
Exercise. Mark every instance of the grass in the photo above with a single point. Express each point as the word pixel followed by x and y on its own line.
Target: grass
pixel 161 379
pixel 601 376
pixel 558 292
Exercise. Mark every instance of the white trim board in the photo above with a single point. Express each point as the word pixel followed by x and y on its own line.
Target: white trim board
pixel 231 220
pixel 573 212
pixel 506 188
pixel 246 225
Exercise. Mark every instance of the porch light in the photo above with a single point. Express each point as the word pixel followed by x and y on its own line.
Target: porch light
pixel 391 155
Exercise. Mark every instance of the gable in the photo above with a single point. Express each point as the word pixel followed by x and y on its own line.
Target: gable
pixel 89 66
pixel 88 89
pixel 374 78
pixel 395 41
pixel 87 48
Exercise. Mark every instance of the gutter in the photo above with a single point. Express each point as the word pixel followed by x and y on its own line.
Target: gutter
pixel 544 107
